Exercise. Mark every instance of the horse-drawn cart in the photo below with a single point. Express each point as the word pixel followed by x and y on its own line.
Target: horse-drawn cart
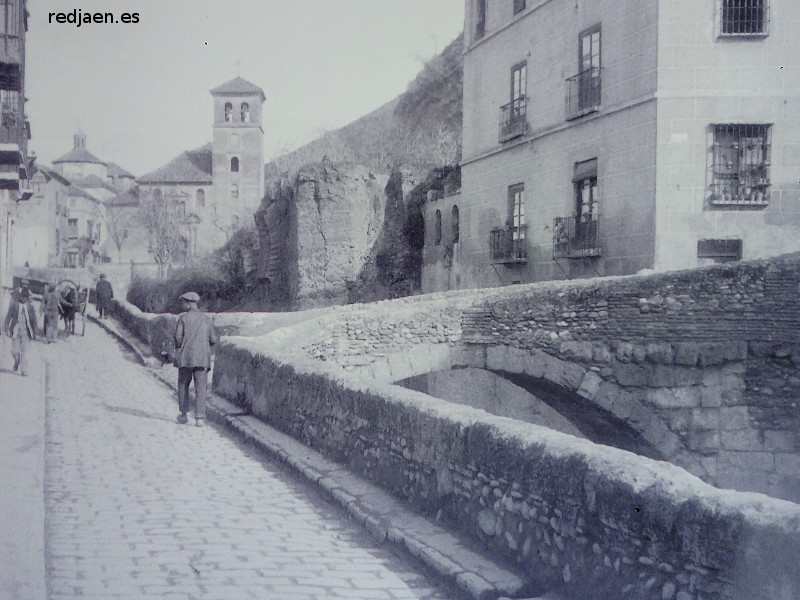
pixel 72 300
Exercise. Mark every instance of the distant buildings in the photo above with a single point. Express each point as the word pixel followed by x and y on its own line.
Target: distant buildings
pixel 85 210
pixel 64 223
pixel 604 137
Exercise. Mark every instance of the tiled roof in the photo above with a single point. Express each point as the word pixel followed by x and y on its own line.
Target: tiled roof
pixel 129 197
pixel 92 181
pixel 114 170
pixel 192 166
pixel 79 155
pixel 74 191
pixel 51 174
pixel 238 86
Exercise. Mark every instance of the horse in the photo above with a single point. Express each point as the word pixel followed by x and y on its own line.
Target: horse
pixel 67 307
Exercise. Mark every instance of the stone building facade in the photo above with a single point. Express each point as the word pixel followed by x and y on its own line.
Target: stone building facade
pixel 602 138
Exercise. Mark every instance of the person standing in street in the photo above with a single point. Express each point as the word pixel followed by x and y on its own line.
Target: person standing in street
pixel 50 312
pixel 20 325
pixel 103 295
pixel 194 337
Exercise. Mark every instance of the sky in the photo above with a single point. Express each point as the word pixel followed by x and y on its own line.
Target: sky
pixel 140 91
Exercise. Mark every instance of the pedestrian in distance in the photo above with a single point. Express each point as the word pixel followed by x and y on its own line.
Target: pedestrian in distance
pixel 194 337
pixel 50 312
pixel 103 295
pixel 20 325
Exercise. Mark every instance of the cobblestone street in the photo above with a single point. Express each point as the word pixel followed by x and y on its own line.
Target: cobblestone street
pixel 140 507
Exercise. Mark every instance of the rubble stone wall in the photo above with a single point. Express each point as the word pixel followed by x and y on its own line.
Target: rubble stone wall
pixel 591 520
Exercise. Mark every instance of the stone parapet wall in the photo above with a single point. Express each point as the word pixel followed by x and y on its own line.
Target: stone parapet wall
pixel 589 520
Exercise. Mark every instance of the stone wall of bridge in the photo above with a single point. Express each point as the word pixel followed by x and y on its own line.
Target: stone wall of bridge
pixel 589 520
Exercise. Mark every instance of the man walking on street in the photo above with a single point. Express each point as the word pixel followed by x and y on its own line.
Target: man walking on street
pixel 20 324
pixel 50 312
pixel 194 336
pixel 103 295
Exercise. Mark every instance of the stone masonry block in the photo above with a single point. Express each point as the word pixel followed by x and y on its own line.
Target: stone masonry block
pixel 590 385
pixel 735 417
pixel 782 441
pixel 741 439
pixel 553 368
pixel 751 462
pixel 496 357
pixel 705 418
pixel 632 375
pixel 623 405
pixel 662 376
pixel 606 395
pixel 579 351
pixel 601 353
pixel 516 360
pixel 572 375
pixel 703 441
pixel 687 353
pixel 682 397
pixel 471 355
pixel 660 353
pixel 536 364
pixel 787 464
pixel 736 350
pixel 711 354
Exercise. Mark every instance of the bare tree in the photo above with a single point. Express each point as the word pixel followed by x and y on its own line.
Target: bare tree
pixel 120 219
pixel 165 225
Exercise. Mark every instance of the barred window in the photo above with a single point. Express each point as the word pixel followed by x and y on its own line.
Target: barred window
pixel 740 164
pixel 719 251
pixel 743 17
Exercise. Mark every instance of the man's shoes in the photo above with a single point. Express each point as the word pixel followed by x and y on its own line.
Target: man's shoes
pixel 183 419
pixel 199 422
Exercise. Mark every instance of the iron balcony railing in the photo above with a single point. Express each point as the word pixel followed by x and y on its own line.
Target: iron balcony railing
pixel 513 119
pixel 507 244
pixel 583 93
pixel 576 237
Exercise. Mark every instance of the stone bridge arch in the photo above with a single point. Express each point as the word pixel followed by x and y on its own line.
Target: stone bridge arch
pixel 602 411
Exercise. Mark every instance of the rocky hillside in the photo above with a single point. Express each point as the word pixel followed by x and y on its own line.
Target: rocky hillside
pixel 421 128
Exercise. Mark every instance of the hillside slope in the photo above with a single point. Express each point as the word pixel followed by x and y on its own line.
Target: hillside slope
pixel 420 128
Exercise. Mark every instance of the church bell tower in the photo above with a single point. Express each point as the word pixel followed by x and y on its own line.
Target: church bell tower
pixel 237 152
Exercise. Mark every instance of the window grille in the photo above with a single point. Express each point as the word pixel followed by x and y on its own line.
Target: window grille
pixel 745 17
pixel 720 251
pixel 740 161
pixel 455 226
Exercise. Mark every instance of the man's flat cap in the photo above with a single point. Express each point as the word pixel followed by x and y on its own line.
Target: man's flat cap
pixel 191 297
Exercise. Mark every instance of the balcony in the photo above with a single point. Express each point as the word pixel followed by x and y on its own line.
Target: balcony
pixel 513 119
pixel 735 193
pixel 583 93
pixel 507 245
pixel 576 237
